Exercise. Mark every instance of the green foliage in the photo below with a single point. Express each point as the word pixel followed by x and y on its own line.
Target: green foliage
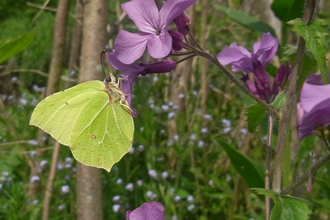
pixel 243 166
pixel 287 10
pixel 247 21
pixel 255 114
pixel 279 101
pixel 309 65
pixel 315 35
pixel 12 46
pixel 286 207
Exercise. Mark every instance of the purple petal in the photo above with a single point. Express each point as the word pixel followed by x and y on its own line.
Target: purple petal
pixel 147 211
pixel 313 109
pixel 238 56
pixel 177 39
pixel 312 95
pixel 182 23
pixel 125 68
pixel 318 116
pixel 128 214
pixel 266 49
pixel 315 79
pixel 144 13
pixel 262 82
pixel 129 46
pixel 172 8
pixel 248 82
pixel 127 83
pixel 160 46
pixel 282 74
pixel 163 66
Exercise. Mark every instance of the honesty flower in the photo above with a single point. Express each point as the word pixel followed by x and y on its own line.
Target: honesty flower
pixel 153 26
pixel 313 109
pixel 242 60
pixel 147 211
pixel 131 71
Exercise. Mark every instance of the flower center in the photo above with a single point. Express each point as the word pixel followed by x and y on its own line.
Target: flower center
pixel 158 32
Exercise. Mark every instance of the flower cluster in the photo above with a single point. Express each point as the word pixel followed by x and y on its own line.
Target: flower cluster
pixel 243 60
pixel 155 35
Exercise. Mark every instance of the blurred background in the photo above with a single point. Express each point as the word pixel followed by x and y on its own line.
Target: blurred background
pixel 190 132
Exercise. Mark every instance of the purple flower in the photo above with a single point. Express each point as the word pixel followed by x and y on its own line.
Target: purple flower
pixel 147 211
pixel 313 109
pixel 243 60
pixel 153 26
pixel 131 71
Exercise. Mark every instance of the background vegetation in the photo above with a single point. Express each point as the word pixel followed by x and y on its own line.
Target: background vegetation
pixel 176 157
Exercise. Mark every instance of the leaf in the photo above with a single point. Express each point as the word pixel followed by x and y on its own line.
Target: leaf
pixel 286 207
pixel 287 10
pixel 12 46
pixel 247 21
pixel 324 186
pixel 309 64
pixel 243 166
pixel 91 119
pixel 315 36
pixel 255 113
pixel 279 101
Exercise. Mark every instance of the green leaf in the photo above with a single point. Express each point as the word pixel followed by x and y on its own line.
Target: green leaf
pixel 243 166
pixel 91 119
pixel 247 21
pixel 309 65
pixel 315 35
pixel 287 10
pixel 286 207
pixel 12 46
pixel 254 114
pixel 279 101
pixel 324 186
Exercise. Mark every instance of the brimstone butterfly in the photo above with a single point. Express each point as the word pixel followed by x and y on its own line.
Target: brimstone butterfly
pixel 92 118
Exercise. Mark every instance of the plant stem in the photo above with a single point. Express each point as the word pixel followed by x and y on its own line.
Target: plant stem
pixel 313 170
pixel 267 162
pixel 49 187
pixel 291 100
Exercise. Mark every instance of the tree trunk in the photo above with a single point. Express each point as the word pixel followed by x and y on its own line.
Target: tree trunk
pixel 54 76
pixel 75 44
pixel 89 188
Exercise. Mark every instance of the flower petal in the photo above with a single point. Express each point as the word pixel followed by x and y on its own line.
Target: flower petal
pixel 160 46
pixel 172 8
pixel 126 85
pixel 125 68
pixel 318 116
pixel 266 49
pixel 282 74
pixel 262 82
pixel 312 95
pixel 129 46
pixel 163 66
pixel 144 13
pixel 238 56
pixel 147 211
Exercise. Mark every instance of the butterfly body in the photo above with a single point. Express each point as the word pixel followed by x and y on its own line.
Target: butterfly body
pixel 93 118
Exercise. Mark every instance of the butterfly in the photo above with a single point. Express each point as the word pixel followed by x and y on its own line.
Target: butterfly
pixel 92 118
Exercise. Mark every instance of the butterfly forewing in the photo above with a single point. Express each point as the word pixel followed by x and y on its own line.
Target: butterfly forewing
pixel 57 114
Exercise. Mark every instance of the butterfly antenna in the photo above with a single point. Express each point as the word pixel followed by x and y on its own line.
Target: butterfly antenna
pixel 102 63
